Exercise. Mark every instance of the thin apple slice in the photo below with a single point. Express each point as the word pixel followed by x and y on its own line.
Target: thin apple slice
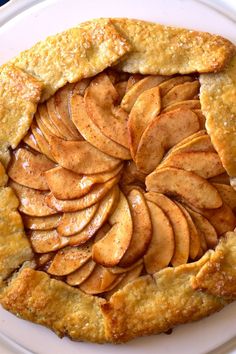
pixel 69 260
pixel 43 259
pixel 121 89
pixel 142 228
pixel 30 140
pixel 191 104
pixel 138 88
pixel 81 157
pixel 106 207
pixel 227 193
pixel 204 163
pixel 72 223
pixel 187 186
pixel 179 225
pixel 43 128
pixel 32 202
pixel 41 222
pixel 133 79
pixel 98 281
pixel 92 133
pixel 44 117
pixel 161 134
pixel 94 196
pixel 65 184
pixel 222 179
pixel 120 270
pixel 182 92
pixel 81 274
pixel 47 241
pixel 201 118
pixel 27 168
pixel 111 248
pixel 194 238
pixel 100 99
pixel 41 141
pixel 161 248
pixel 169 84
pixel 206 229
pixel 145 109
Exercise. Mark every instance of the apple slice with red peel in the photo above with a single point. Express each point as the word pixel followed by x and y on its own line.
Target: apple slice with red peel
pixel 187 186
pixel 191 104
pixel 94 196
pixel 106 207
pixel 81 157
pixel 92 133
pixel 111 248
pixel 182 92
pixel 69 259
pixel 169 84
pixel 161 134
pixel 161 248
pixel 81 274
pixel 227 193
pixel 41 222
pixel 179 225
pixel 72 223
pixel 44 241
pixel 145 109
pixel 32 202
pixel 138 88
pixel 27 168
pixel 100 99
pixel 30 140
pixel 142 228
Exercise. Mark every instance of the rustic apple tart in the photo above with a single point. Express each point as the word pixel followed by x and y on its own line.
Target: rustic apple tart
pixel 117 199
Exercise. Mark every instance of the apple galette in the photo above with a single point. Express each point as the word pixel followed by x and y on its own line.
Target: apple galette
pixel 117 199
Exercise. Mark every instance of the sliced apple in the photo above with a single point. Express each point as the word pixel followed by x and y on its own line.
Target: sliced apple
pixel 227 193
pixel 106 207
pixel 195 245
pixel 43 128
pixel 32 202
pixel 120 270
pixel 30 140
pixel 182 92
pixel 161 248
pixel 47 241
pixel 161 134
pixel 206 229
pixel 111 248
pixel 191 104
pixel 201 118
pixel 142 228
pixel 81 157
pixel 133 79
pixel 222 179
pixel 145 109
pixel 121 89
pixel 69 259
pixel 44 117
pixel 41 141
pixel 43 259
pixel 94 196
pixel 138 88
pixel 81 274
pixel 179 225
pixel 27 168
pixel 169 84
pixel 187 186
pixel 100 99
pixel 72 223
pixel 204 163
pixel 92 133
pixel 42 222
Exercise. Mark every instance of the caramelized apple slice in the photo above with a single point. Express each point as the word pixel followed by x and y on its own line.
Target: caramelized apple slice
pixel 168 85
pixel 81 274
pixel 142 228
pixel 69 259
pixel 72 223
pixel 28 169
pixel 145 109
pixel 121 89
pixel 41 141
pixel 133 79
pixel 30 140
pixel 92 133
pixel 81 157
pixel 191 104
pixel 45 118
pixel 182 92
pixel 106 207
pixel 94 196
pixel 161 248
pixel 47 241
pixel 111 248
pixel 204 163
pixel 179 224
pixel 223 178
pixel 227 193
pixel 41 222
pixel 188 186
pixel 100 99
pixel 32 202
pixel 201 118
pixel 138 88
pixel 161 134
pixel 119 270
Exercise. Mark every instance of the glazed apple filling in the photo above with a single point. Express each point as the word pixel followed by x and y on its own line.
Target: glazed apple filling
pixel 117 178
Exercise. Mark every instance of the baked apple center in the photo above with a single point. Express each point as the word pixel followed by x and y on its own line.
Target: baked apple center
pixel 117 177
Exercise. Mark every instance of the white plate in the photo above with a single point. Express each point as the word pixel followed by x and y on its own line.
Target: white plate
pixel 55 15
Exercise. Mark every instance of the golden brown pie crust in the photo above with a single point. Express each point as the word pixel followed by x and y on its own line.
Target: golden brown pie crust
pixel 150 304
